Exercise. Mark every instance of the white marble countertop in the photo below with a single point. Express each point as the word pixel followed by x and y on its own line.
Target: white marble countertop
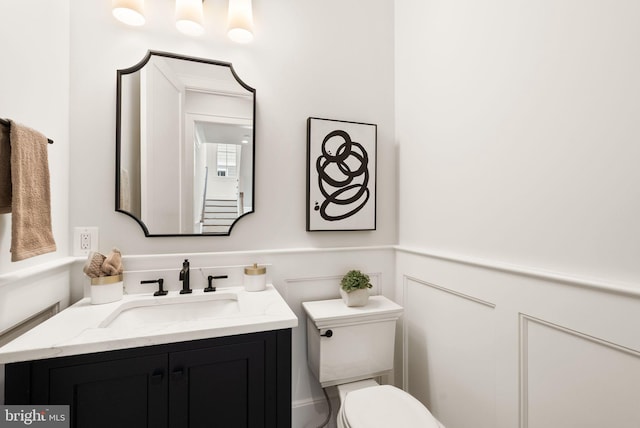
pixel 78 329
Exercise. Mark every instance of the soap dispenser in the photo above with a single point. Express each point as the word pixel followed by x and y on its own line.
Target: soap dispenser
pixel 255 278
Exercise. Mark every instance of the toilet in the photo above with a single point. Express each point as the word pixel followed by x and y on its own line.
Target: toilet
pixel 348 347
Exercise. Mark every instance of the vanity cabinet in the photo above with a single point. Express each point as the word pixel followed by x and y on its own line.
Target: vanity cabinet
pixel 241 381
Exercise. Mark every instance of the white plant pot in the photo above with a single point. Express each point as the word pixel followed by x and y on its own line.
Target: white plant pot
pixel 358 297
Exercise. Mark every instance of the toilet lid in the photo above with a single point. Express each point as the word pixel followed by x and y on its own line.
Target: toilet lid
pixel 383 407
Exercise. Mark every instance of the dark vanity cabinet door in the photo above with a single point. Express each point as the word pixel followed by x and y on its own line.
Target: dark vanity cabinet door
pixel 229 382
pixel 218 387
pixel 128 392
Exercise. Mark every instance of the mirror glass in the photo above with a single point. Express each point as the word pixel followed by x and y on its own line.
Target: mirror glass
pixel 185 145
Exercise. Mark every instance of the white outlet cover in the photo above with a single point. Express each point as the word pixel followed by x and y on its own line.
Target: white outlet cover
pixel 78 249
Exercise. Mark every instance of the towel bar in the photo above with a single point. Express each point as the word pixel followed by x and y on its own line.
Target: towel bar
pixel 7 123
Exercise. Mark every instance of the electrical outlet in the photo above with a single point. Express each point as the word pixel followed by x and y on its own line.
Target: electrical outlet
pixel 85 240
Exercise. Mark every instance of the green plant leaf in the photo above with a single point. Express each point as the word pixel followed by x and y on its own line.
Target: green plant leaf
pixel 355 280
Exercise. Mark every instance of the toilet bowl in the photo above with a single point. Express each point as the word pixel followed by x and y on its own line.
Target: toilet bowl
pixel 366 404
pixel 350 346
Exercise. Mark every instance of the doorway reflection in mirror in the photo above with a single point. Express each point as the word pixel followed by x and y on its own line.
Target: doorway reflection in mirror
pixel 185 145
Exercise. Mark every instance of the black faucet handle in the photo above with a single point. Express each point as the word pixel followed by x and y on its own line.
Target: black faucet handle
pixel 161 291
pixel 210 279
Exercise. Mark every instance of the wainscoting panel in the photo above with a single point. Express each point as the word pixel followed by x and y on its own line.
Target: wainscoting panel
pixel 29 296
pixel 569 379
pixel 493 346
pixel 450 353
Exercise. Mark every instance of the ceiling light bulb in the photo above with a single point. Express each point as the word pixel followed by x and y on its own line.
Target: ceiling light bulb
pixel 189 17
pixel 130 12
pixel 240 19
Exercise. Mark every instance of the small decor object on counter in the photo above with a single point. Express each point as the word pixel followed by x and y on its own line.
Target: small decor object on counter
pixel 106 276
pixel 255 278
pixel 106 289
pixel 354 288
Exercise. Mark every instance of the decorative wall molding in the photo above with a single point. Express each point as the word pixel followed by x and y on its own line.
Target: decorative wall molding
pixel 582 341
pixel 406 279
pixel 557 277
pixel 524 321
pixel 376 279
pixel 272 251
pixel 35 270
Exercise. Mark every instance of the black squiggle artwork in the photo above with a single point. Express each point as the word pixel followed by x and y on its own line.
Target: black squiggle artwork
pixel 343 177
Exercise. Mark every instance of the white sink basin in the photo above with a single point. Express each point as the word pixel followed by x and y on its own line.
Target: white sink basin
pixel 173 309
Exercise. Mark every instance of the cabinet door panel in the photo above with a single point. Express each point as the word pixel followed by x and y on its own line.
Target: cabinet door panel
pixel 222 386
pixel 119 393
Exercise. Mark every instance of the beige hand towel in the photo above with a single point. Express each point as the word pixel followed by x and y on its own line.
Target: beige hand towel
pixel 93 266
pixel 31 233
pixel 112 264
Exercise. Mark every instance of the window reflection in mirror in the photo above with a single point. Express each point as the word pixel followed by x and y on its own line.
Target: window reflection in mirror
pixel 185 145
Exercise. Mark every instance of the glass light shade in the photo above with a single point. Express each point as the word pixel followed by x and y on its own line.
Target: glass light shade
pixel 189 17
pixel 130 12
pixel 240 19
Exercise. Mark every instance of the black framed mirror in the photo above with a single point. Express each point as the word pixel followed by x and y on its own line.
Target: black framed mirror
pixel 185 145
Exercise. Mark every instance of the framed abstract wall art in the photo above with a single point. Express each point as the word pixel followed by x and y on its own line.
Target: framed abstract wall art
pixel 341 175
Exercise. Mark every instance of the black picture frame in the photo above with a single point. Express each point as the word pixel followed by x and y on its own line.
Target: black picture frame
pixel 341 175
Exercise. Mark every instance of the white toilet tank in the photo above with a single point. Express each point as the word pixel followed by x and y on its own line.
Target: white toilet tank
pixel 345 344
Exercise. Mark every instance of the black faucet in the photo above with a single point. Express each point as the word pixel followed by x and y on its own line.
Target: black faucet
pixel 161 291
pixel 210 279
pixel 184 277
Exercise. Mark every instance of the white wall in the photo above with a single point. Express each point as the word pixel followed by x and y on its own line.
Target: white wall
pixel 34 91
pixel 308 59
pixel 517 124
pixel 518 231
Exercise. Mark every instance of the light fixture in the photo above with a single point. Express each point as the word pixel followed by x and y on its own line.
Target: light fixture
pixel 189 17
pixel 240 19
pixel 130 12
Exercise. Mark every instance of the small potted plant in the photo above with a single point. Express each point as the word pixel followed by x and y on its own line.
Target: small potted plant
pixel 354 288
